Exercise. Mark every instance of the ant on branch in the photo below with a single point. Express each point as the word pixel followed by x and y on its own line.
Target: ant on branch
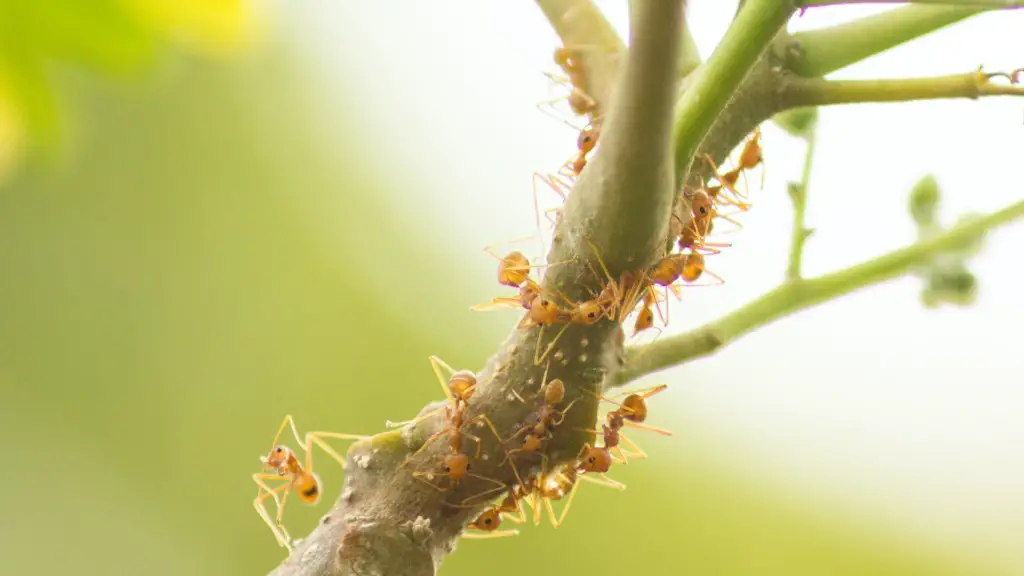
pixel 631 412
pixel 458 389
pixel 300 477
pixel 544 419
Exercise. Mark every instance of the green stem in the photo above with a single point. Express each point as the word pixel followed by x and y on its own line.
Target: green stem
pixel 798 194
pixel 755 26
pixel 829 49
pixel 819 92
pixel 794 296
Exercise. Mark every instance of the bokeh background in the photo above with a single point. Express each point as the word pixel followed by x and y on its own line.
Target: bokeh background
pixel 216 213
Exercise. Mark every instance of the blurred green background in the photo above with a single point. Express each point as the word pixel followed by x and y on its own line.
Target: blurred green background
pixel 197 239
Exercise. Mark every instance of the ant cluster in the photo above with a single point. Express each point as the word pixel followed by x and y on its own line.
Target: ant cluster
pixel 617 299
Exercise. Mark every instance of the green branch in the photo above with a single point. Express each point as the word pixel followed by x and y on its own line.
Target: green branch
pixel 820 92
pixel 794 296
pixel 755 26
pixel 798 194
pixel 826 50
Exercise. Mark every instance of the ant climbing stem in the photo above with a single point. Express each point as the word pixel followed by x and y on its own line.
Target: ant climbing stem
pixel 458 389
pixel 563 483
pixel 545 418
pixel 298 476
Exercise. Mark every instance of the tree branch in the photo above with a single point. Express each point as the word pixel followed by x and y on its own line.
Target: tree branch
pixel 799 295
pixel 387 521
pixel 820 92
pixel 580 25
pixel 754 27
pixel 819 52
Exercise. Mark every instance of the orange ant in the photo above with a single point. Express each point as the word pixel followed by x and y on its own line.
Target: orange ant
pixel 458 389
pixel 559 484
pixel 633 408
pixel 490 519
pixel 694 268
pixel 298 476
pixel 545 419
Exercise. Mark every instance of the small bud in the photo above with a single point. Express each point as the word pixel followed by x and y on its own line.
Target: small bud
pixel 924 200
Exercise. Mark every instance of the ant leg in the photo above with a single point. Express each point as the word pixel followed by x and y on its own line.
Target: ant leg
pixel 500 486
pixel 604 481
pixel 264 490
pixel 416 420
pixel 423 477
pixel 565 509
pixel 318 438
pixel 661 431
pixel 562 415
pixel 483 418
pixel 282 538
pixel 636 452
pixel 438 366
pixel 643 392
pixel 288 421
pixel 435 436
pixel 550 346
pixel 491 534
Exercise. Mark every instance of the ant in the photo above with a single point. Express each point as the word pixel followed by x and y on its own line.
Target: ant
pixel 458 388
pixel 694 268
pixel 300 477
pixel 563 482
pixel 545 419
pixel 631 412
pixel 490 519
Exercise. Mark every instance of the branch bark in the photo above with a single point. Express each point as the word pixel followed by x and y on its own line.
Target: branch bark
pixel 386 521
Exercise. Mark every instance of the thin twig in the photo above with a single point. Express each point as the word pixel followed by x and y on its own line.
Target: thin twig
pixel 820 92
pixel 798 194
pixel 791 297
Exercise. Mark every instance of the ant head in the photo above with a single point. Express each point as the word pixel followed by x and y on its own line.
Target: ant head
pixel 488 521
pixel 596 460
pixel 635 407
pixel 462 384
pixel 277 458
pixel 588 312
pixel 587 139
pixel 456 465
pixel 554 392
pixel 700 203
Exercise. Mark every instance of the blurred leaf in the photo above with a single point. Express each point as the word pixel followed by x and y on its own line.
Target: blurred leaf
pixel 799 122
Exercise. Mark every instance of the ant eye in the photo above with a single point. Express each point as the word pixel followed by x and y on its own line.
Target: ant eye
pixel 447 468
pixel 468 467
pixel 279 450
pixel 487 521
pixel 703 210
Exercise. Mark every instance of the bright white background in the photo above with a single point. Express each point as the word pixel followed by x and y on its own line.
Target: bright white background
pixel 909 417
